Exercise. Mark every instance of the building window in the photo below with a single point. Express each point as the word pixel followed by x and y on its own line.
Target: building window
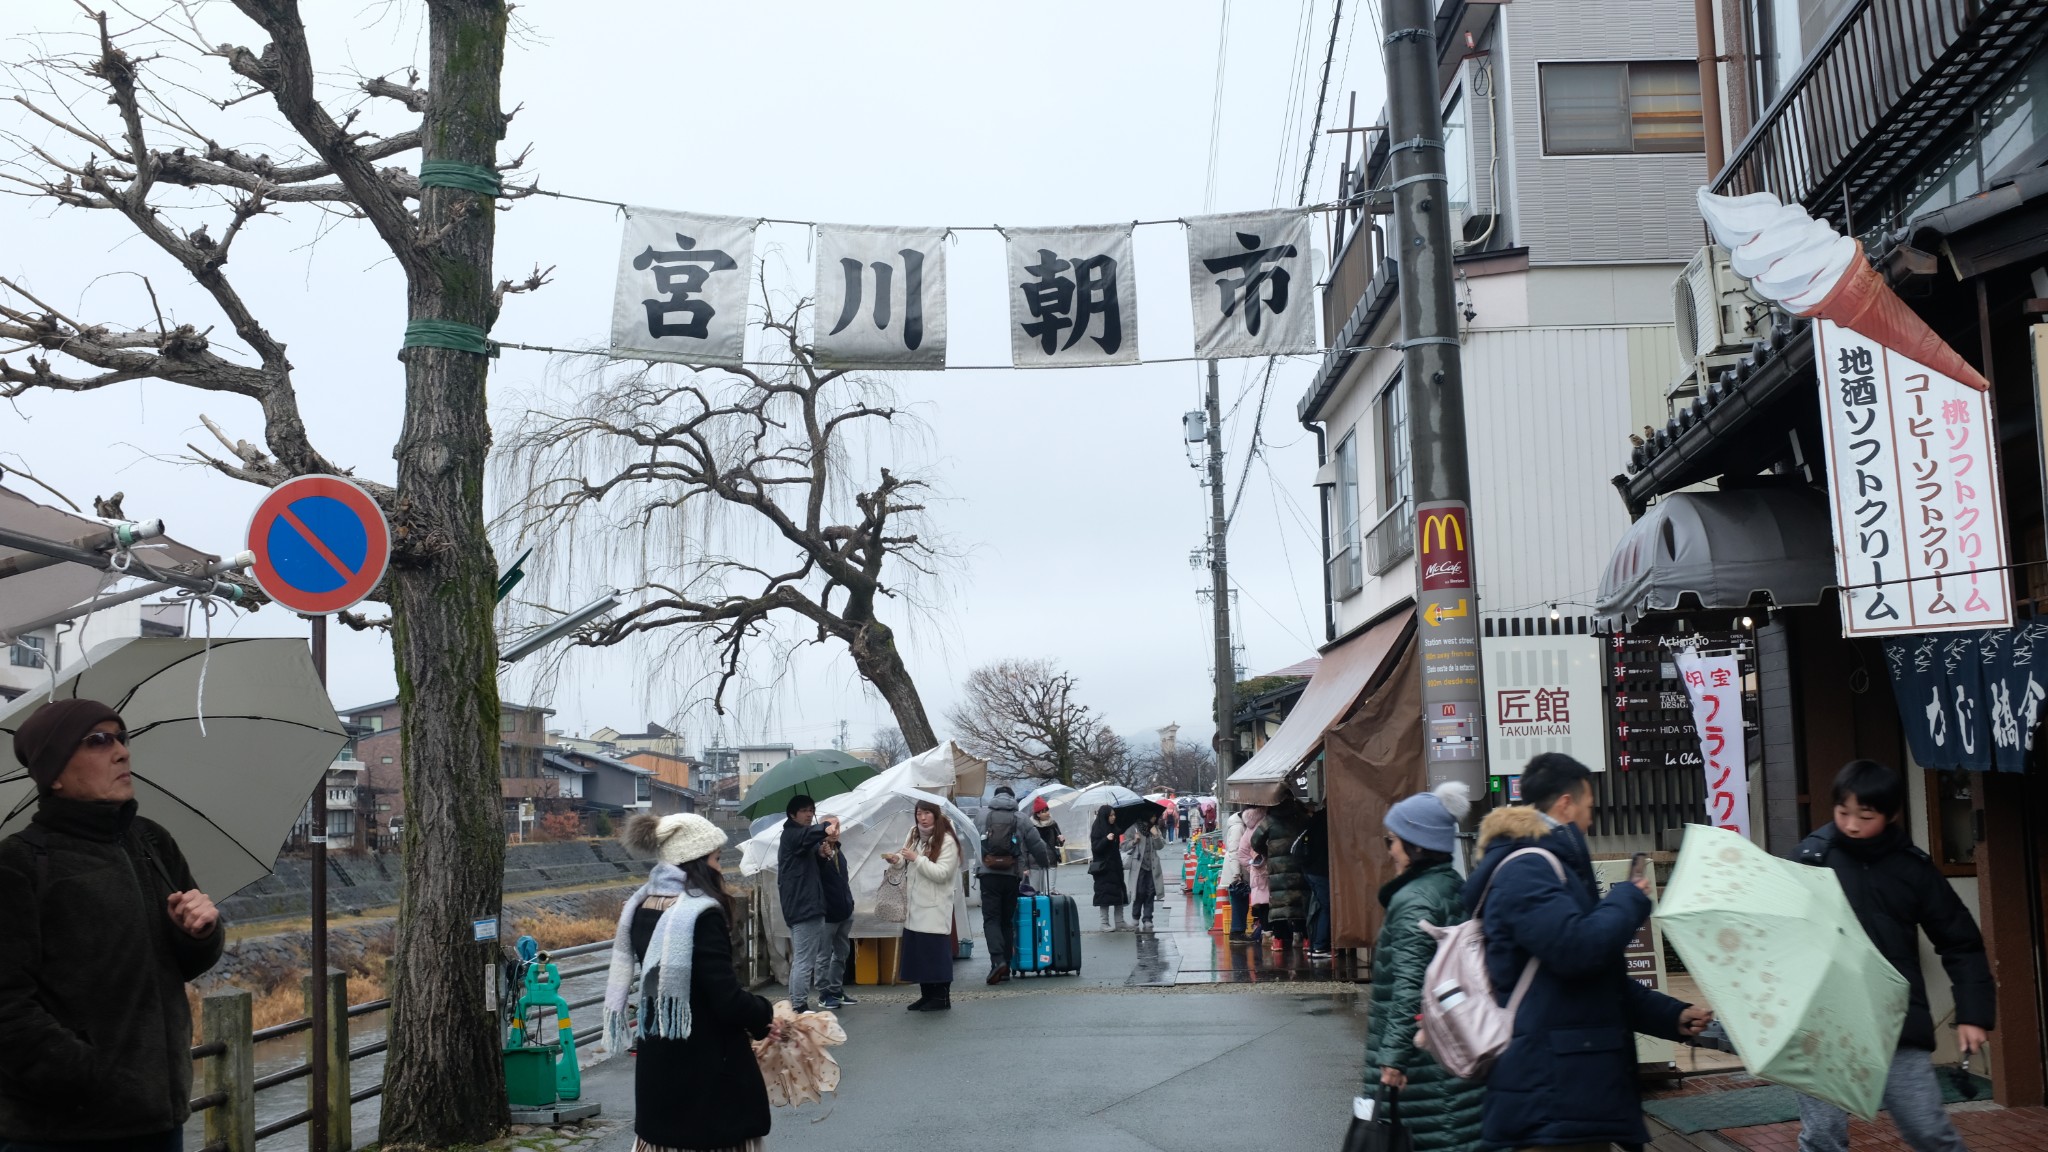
pixel 1457 161
pixel 1390 417
pixel 26 652
pixel 384 760
pixel 506 721
pixel 1608 109
pixel 376 723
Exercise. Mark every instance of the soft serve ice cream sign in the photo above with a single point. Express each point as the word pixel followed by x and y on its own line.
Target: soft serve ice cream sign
pixel 1916 500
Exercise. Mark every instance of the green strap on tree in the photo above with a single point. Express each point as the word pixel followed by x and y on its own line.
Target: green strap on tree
pixel 449 334
pixel 455 174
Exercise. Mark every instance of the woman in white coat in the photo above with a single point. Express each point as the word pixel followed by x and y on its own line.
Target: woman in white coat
pixel 926 956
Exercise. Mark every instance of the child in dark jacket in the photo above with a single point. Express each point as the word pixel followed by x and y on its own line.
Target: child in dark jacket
pixel 838 890
pixel 1896 892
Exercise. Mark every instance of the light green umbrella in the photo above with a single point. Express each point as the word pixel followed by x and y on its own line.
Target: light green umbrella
pixel 1803 993
pixel 813 774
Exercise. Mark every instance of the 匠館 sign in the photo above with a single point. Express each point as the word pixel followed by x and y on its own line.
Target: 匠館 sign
pixel 1545 697
pixel 1918 508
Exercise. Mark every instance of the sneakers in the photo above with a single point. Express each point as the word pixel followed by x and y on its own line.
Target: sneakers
pixel 1317 954
pixel 847 998
pixel 799 1008
pixel 831 1004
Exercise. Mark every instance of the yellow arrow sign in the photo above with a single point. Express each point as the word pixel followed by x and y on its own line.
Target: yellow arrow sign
pixel 1436 613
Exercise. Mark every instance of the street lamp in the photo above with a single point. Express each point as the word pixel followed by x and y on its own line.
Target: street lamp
pixel 560 628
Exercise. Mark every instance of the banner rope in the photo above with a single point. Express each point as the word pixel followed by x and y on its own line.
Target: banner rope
pixel 609 355
pixel 1327 206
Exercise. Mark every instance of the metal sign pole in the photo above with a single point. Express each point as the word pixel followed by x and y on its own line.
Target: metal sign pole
pixel 317 1126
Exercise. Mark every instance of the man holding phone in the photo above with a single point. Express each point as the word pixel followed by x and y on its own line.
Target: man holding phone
pixel 1568 1078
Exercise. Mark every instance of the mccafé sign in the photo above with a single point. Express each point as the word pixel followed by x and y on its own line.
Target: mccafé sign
pixel 1442 552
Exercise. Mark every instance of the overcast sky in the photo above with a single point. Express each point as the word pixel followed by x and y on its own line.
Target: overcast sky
pixel 1068 493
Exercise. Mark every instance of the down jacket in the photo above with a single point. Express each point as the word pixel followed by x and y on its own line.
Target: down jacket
pixel 1274 839
pixel 1440 1110
pixel 1569 1074
pixel 931 885
pixel 1106 861
pixel 1896 890
pixel 95 1033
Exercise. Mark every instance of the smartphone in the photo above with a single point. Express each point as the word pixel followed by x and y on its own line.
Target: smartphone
pixel 1639 868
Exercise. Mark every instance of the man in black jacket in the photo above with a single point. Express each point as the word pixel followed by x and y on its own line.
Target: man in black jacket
pixel 803 898
pixel 837 885
pixel 105 926
pixel 1896 892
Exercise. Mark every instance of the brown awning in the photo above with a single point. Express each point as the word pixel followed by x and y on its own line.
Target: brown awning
pixel 1371 758
pixel 1346 671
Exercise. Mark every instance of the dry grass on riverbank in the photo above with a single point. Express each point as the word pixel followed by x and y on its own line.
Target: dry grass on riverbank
pixel 554 930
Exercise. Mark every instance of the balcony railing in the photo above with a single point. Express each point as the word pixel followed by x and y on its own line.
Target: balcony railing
pixel 1876 95
pixel 1391 540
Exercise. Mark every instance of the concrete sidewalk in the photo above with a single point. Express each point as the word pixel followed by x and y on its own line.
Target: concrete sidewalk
pixel 1094 1070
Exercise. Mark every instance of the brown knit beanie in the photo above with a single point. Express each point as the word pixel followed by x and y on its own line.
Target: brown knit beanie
pixel 45 742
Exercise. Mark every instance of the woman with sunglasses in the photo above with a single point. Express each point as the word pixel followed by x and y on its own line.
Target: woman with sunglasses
pixel 105 927
pixel 1440 1111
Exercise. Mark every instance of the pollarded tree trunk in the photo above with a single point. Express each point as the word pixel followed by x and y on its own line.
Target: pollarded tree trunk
pixel 444 1083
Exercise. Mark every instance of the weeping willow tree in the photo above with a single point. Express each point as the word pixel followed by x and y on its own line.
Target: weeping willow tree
pixel 741 511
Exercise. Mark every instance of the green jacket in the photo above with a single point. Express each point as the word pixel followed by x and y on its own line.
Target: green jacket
pixel 1441 1111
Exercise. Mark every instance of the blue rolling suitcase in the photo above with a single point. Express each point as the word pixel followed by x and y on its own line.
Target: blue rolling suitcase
pixel 1048 936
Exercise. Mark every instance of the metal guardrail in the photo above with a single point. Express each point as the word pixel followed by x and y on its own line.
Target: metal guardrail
pixel 226 1051
pixel 1390 541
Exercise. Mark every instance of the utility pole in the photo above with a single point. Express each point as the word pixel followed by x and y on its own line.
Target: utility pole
pixel 1446 595
pixel 1219 602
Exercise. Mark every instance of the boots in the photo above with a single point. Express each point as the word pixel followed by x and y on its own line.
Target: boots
pixel 942 998
pixel 1105 918
pixel 1119 910
pixel 924 1001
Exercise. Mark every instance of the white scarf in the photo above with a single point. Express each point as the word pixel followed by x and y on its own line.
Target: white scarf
pixel 665 989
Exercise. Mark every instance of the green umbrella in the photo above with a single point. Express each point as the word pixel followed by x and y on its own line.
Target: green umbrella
pixel 813 774
pixel 1803 993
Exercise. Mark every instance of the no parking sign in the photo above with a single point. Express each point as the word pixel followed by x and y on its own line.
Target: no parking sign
pixel 321 544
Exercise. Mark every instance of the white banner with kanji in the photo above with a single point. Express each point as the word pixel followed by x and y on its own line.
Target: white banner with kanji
pixel 1918 507
pixel 1073 296
pixel 881 297
pixel 683 287
pixel 1714 683
pixel 1251 280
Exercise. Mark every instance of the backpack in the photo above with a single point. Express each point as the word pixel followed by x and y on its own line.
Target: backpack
pixel 1463 1026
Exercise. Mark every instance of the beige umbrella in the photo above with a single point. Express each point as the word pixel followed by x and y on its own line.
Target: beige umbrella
pixel 795 1065
pixel 226 772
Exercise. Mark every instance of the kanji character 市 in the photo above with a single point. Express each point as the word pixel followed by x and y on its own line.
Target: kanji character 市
pixel 1243 290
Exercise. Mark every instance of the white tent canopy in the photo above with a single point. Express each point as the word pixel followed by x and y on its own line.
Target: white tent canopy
pixel 877 817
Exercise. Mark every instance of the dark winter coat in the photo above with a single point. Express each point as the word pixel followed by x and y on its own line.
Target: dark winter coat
pixel 95 1032
pixel 796 872
pixel 1317 844
pixel 1440 1110
pixel 1106 861
pixel 1274 839
pixel 837 887
pixel 1896 891
pixel 1569 1074
pixel 705 1091
pixel 1006 833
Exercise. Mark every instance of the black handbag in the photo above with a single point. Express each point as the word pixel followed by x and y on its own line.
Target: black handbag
pixel 1384 1131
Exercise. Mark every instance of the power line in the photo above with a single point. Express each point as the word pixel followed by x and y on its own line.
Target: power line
pixel 1216 109
pixel 1322 96
pixel 1252 451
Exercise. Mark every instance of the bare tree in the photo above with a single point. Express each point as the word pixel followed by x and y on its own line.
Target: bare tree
pixel 889 747
pixel 1180 768
pixel 648 467
pixel 1021 715
pixel 148 150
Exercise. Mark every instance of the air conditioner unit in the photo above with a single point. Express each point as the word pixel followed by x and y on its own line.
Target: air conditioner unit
pixel 1716 317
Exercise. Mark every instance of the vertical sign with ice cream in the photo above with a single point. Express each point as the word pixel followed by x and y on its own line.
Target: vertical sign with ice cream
pixel 1918 505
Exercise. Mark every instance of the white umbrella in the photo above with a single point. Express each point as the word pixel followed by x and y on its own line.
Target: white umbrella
pixel 1081 804
pixel 229 796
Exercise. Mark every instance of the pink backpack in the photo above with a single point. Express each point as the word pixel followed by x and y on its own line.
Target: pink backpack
pixel 1462 1025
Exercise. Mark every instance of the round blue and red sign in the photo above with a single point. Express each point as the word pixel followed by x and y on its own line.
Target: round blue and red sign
pixel 321 544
